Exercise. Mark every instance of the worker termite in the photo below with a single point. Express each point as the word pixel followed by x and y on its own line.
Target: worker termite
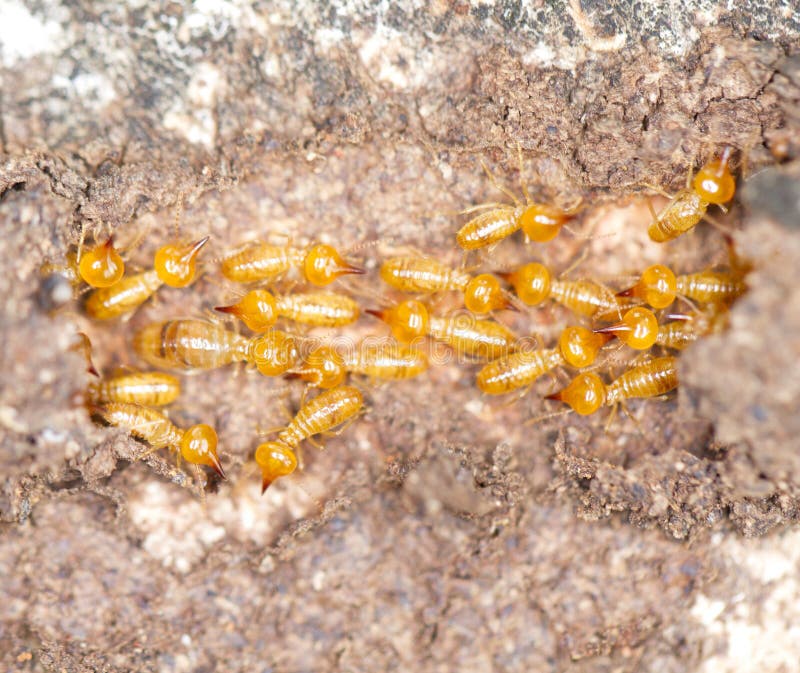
pixel 198 344
pixel 257 261
pixel 481 339
pixel 482 293
pixel 328 410
pixel 324 367
pixel 659 286
pixel 260 309
pixel 540 222
pixel 149 389
pixel 196 445
pixel 587 392
pixel 577 347
pixel 174 265
pixel 533 284
pixel 713 184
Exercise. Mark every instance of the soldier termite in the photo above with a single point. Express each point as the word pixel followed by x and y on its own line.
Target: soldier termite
pixel 587 392
pixel 540 222
pixel 482 293
pixel 258 261
pixel 196 445
pixel 331 408
pixel 713 184
pixel 260 309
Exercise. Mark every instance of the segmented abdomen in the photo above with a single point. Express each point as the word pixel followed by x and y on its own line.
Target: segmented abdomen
pixel 677 334
pixel 421 274
pixel 484 339
pixel 260 261
pixel 148 424
pixel 583 297
pixel 152 389
pixel 386 361
pixel 124 296
pixel 489 227
pixel 650 379
pixel 709 287
pixel 678 217
pixel 324 412
pixel 189 344
pixel 517 370
pixel 322 309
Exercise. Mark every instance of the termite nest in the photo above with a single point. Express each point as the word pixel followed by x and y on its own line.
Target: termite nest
pixel 620 343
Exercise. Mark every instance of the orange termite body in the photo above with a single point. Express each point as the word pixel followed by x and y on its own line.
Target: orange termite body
pixel 329 409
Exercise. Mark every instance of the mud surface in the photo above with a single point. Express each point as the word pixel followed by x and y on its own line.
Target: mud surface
pixel 442 530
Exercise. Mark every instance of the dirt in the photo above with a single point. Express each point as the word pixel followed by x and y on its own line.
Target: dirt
pixel 443 530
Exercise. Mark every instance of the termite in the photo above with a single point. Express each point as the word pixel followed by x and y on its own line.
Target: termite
pixel 196 445
pixel 198 344
pixel 149 389
pixel 659 286
pixel 540 222
pixel 260 309
pixel 577 347
pixel 517 370
pixel 713 184
pixel 258 261
pixel 324 367
pixel 481 339
pixel 587 392
pixel 482 293
pixel 683 329
pixel 533 284
pixel 174 265
pixel 328 410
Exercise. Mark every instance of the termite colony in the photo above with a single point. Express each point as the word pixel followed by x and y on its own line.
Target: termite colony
pixel 641 316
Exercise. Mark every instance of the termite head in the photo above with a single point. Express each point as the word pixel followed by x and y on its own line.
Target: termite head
pixel 257 310
pixel 275 460
pixel 541 223
pixel 579 346
pixel 483 294
pixel 531 283
pixel 323 368
pixel 409 320
pixel 101 266
pixel 273 353
pixel 638 328
pixel 714 182
pixel 657 287
pixel 323 265
pixel 199 447
pixel 176 265
pixel 584 395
